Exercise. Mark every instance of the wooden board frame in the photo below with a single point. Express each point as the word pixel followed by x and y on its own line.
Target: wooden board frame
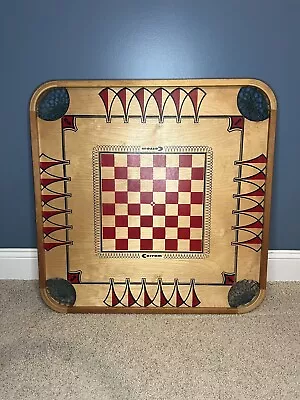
pixel 222 91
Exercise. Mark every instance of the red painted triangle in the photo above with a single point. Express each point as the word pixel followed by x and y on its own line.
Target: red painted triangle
pixel 47 164
pixel 147 299
pixel 257 177
pixel 257 160
pixel 194 98
pixel 50 246
pixel 176 98
pixel 48 181
pixel 179 299
pixel 157 94
pixel 48 214
pixel 195 300
pixel 104 96
pixel 48 197
pixel 131 299
pixel 258 208
pixel 163 300
pixel 256 240
pixel 114 299
pixel 122 97
pixel 256 225
pixel 256 193
pixel 50 229
pixel 140 95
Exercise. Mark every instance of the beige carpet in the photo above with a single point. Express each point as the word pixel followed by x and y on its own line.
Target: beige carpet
pixel 45 355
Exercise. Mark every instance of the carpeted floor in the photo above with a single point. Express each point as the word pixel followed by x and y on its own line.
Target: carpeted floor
pixel 46 355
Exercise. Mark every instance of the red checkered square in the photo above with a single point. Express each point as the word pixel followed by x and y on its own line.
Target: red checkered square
pixel 159 209
pixel 108 185
pixel 134 209
pixel 146 173
pixel 133 160
pixel 185 160
pixel 172 198
pixel 146 244
pixel 183 233
pixel 121 197
pixel 196 198
pixel 195 245
pixel 171 244
pixel 184 186
pixel 121 220
pixel 121 244
pixel 134 233
pixel 197 173
pixel 108 209
pixel 196 222
pixel 172 173
pixel 172 221
pixel 159 160
pixel 146 220
pixel 120 173
pixel 159 186
pixel 109 232
pixel 134 185
pixel 146 197
pixel 159 233
pixel 184 209
pixel 107 160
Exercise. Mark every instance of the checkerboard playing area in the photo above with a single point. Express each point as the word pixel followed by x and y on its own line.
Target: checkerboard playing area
pixel 152 202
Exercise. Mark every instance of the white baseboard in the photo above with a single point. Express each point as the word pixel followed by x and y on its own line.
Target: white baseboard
pixel 284 265
pixel 18 264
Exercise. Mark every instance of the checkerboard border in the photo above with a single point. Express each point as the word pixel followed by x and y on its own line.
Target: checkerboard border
pixel 160 150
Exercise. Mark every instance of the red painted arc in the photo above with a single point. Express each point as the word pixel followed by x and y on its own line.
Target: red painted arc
pixel 104 96
pixel 193 95
pixel 122 97
pixel 48 181
pixel 130 298
pixel 261 159
pixel 50 229
pixel 256 193
pixel 179 299
pixel 48 197
pixel 50 213
pixel 257 209
pixel 147 299
pixel 175 94
pixel 163 299
pixel 195 300
pixel 47 164
pixel 157 94
pixel 114 298
pixel 51 245
pixel 256 177
pixel 140 95
pixel 255 240
pixel 255 225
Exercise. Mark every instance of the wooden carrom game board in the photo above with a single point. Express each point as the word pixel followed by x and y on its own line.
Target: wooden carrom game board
pixel 153 196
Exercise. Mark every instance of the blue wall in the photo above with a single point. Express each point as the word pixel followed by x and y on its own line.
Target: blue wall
pixel 80 39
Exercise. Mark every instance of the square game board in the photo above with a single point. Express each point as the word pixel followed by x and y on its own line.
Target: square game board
pixel 153 196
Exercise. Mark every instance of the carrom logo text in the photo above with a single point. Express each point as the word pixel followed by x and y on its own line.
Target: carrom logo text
pixel 158 148
pixel 151 255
